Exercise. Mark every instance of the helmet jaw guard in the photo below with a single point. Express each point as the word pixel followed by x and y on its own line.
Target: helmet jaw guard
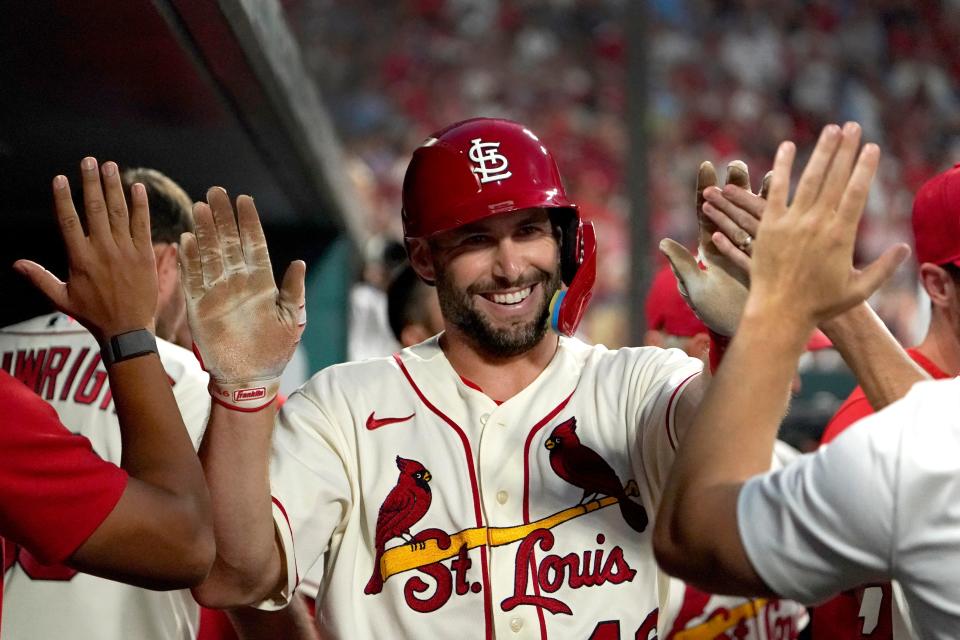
pixel 485 167
pixel 579 260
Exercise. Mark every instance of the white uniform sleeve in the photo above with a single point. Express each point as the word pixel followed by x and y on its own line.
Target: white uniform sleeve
pixel 190 383
pixel 310 484
pixel 825 522
pixel 655 387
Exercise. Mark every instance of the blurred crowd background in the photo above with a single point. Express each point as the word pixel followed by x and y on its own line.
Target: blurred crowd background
pixel 727 80
pixel 314 107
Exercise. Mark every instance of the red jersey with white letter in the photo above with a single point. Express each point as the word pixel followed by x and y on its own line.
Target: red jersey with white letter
pixel 60 361
pixel 56 491
pixel 876 611
pixel 429 510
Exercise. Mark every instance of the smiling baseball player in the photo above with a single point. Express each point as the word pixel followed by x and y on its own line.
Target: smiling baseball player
pixel 493 481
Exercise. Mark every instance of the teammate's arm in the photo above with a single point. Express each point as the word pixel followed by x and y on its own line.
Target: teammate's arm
pixel 159 534
pixel 245 330
pixel 803 276
pixel 235 454
pixel 884 370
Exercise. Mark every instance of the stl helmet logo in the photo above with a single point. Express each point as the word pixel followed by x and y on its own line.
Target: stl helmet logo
pixel 491 165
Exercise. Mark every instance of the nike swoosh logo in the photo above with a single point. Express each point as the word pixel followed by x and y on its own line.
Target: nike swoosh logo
pixel 375 423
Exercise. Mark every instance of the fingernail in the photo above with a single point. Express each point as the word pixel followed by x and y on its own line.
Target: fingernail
pixel 138 190
pixel 851 127
pixel 59 182
pixel 110 169
pixel 88 164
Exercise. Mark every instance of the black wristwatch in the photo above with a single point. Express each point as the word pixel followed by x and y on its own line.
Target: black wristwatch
pixel 125 346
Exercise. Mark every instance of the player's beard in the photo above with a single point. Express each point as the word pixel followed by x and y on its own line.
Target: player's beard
pixel 458 308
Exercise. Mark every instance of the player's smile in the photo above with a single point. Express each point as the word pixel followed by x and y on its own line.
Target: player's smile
pixel 510 297
pixel 510 303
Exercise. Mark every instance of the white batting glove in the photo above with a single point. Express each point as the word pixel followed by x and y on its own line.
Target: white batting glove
pixel 244 329
pixel 718 291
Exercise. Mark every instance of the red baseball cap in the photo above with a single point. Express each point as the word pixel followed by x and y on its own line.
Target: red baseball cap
pixel 936 219
pixel 666 309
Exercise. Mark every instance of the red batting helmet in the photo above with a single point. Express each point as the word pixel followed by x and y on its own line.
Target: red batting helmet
pixel 485 167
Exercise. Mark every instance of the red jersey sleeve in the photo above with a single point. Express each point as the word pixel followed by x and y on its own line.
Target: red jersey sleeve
pixel 54 490
pixel 854 408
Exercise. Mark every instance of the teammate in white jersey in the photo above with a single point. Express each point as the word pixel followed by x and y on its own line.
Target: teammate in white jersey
pixel 495 480
pixel 882 501
pixel 60 360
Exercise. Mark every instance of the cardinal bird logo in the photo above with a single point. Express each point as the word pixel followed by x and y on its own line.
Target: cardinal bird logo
pixel 583 467
pixel 406 503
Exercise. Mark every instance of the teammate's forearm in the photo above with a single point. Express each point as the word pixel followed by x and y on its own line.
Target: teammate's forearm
pixel 156 445
pixel 235 454
pixel 882 367
pixel 160 534
pixel 732 435
pixel 730 439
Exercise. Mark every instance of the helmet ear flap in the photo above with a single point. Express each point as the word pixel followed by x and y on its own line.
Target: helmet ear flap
pixel 568 307
pixel 571 241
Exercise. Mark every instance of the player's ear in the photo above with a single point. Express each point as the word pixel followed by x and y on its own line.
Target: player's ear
pixel 167 268
pixel 421 259
pixel 937 283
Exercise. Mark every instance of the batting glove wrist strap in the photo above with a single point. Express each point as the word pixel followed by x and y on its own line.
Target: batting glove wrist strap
pixel 245 396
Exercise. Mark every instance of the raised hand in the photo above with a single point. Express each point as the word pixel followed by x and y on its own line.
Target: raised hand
pixel 736 212
pixel 717 292
pixel 111 287
pixel 245 330
pixel 803 254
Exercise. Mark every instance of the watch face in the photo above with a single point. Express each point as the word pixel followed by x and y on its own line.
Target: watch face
pixel 129 345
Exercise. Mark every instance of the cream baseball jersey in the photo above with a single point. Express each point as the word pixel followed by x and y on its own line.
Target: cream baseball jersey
pixel 432 511
pixel 58 359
